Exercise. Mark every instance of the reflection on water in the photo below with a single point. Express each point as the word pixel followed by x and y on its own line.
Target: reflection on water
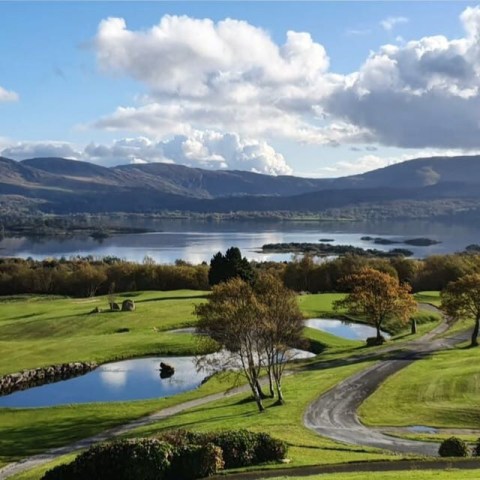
pixel 197 241
pixel 343 329
pixel 120 381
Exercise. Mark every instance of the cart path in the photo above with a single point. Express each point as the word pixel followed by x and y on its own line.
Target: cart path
pixel 334 414
pixel 50 455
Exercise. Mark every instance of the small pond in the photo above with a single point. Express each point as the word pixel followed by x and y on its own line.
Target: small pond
pixel 120 381
pixel 344 329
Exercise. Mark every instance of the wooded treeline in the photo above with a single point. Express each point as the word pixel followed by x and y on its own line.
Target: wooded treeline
pixel 82 277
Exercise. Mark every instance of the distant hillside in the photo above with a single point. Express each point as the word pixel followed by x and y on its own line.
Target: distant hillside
pixel 67 186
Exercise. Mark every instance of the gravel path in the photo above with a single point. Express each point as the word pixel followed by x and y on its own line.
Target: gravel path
pixel 334 414
pixel 54 453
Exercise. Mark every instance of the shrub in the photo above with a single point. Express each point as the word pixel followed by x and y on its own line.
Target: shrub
pixel 453 447
pixel 269 449
pixel 476 448
pixel 141 459
pixel 238 447
pixel 374 341
pixel 60 472
pixel 195 461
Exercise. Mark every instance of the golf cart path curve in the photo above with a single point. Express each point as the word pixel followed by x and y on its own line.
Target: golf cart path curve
pixel 334 414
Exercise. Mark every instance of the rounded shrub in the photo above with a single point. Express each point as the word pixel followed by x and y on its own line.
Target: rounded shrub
pixel 374 341
pixel 140 459
pixel 238 447
pixel 476 448
pixel 269 449
pixel 195 461
pixel 453 447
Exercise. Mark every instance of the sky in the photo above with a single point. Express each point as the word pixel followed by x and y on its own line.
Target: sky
pixel 311 88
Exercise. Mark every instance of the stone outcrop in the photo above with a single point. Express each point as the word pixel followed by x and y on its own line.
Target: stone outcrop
pixel 166 370
pixel 14 382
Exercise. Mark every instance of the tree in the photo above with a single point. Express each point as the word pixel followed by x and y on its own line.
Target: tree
pixel 256 326
pixel 377 296
pixel 462 299
pixel 230 265
pixel 281 327
pixel 230 318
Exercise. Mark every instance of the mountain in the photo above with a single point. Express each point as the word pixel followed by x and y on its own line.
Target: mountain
pixel 60 185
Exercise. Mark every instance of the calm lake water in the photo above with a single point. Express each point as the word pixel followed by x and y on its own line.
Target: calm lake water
pixel 136 379
pixel 340 328
pixel 198 241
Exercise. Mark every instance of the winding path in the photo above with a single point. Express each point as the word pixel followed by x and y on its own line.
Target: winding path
pixel 334 414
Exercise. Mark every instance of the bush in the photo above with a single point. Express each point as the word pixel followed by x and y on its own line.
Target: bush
pixel 374 341
pixel 141 459
pixel 269 449
pixel 238 447
pixel 196 461
pixel 453 447
pixel 476 448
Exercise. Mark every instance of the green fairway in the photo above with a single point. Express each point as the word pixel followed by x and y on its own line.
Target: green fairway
pixel 284 422
pixel 38 331
pixel 442 390
pixel 449 474
pixel 431 297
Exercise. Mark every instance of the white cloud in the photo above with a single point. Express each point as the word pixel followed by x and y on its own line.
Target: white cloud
pixel 209 150
pixel 202 75
pixel 23 150
pixel 8 95
pixel 390 23
pixel 424 94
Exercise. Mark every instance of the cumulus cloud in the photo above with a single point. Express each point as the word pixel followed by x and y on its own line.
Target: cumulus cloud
pixel 23 150
pixel 202 75
pixel 208 149
pixel 421 94
pixel 390 23
pixel 8 95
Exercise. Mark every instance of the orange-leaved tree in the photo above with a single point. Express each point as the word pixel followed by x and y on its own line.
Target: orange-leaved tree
pixel 377 296
pixel 461 298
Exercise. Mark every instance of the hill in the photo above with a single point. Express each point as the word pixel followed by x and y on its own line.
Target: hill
pixel 60 185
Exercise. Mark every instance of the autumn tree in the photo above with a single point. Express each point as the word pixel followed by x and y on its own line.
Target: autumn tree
pixel 231 319
pixel 377 296
pixel 255 326
pixel 462 299
pixel 281 327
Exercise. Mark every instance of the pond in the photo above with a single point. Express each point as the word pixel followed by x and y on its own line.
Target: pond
pixel 344 329
pixel 137 379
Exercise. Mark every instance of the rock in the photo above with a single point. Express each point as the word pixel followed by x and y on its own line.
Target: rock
pixel 128 305
pixel 114 307
pixel 166 370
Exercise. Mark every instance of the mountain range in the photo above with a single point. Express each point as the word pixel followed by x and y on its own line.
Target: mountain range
pixel 59 185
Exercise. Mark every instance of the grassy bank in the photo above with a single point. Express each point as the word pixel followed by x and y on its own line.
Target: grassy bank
pixel 439 391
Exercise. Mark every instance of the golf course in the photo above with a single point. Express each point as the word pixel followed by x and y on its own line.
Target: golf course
pixel 437 389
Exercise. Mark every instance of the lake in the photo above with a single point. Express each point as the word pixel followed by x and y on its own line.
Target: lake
pixel 344 329
pixel 196 241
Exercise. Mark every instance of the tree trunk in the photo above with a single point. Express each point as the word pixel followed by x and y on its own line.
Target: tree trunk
pixel 281 400
pixel 258 399
pixel 414 326
pixel 474 341
pixel 270 383
pixel 379 335
pixel 259 390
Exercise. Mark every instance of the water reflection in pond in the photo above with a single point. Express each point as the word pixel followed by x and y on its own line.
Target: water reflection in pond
pixel 120 381
pixel 344 329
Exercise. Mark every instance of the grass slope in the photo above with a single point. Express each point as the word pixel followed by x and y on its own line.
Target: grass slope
pixel 442 390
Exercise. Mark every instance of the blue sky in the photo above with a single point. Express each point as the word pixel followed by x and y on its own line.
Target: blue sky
pixel 356 106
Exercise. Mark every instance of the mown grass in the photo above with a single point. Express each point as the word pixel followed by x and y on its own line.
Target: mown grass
pixel 37 331
pixel 447 474
pixel 441 390
pixel 431 297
